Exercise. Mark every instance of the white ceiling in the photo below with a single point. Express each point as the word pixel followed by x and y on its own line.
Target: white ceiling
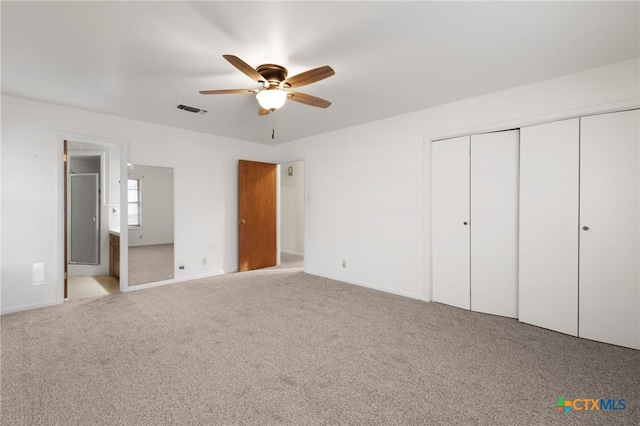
pixel 141 59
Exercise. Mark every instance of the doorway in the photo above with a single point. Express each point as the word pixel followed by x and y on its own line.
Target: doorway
pixel 270 215
pixel 92 205
pixel 292 210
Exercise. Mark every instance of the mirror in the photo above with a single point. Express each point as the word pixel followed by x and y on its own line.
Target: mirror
pixel 150 219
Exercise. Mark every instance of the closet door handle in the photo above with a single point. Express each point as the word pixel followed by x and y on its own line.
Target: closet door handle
pixel 464 223
pixel 586 228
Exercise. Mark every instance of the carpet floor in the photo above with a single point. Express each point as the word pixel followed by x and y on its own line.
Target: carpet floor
pixel 281 347
pixel 148 264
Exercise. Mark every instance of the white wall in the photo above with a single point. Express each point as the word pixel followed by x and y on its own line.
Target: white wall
pixel 205 188
pixel 368 187
pixel 292 207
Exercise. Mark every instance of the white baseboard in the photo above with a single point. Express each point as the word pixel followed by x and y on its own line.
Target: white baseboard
pixel 173 281
pixel 373 287
pixel 30 307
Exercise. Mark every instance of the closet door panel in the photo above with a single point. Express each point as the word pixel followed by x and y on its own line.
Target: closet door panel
pixel 610 209
pixel 450 211
pixel 494 223
pixel 548 236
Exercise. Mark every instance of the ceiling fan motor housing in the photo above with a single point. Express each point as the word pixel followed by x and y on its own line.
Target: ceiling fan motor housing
pixel 274 74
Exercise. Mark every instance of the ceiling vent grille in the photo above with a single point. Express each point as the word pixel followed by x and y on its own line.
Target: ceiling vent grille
pixel 192 109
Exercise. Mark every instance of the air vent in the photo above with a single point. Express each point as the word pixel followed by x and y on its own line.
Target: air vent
pixel 192 109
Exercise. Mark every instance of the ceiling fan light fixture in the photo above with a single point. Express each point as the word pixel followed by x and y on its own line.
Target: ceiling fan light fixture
pixel 271 98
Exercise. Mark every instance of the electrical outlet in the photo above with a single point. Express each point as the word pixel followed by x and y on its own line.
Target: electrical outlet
pixel 344 263
pixel 204 260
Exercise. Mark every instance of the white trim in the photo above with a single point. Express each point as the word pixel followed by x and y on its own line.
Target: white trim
pixel 139 203
pixel 372 287
pixel 103 188
pixel 30 306
pixel 532 120
pixel 177 280
pixel 291 252
pixel 427 232
pixel 291 159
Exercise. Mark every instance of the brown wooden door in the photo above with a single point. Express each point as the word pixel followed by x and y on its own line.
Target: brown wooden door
pixel 257 215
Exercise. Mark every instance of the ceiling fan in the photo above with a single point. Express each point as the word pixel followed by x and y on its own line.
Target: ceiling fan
pixel 276 85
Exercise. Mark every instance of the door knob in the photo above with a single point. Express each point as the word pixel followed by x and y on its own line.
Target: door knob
pixel 586 228
pixel 464 223
pixel 242 221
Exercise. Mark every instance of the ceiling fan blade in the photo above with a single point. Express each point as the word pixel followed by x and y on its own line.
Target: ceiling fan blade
pixel 308 77
pixel 247 69
pixel 308 99
pixel 227 91
pixel 263 111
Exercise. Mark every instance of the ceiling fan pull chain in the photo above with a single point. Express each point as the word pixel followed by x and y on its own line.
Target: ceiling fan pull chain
pixel 273 125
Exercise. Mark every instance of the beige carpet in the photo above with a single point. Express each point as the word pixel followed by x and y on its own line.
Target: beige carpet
pixel 148 264
pixel 279 346
pixel 290 261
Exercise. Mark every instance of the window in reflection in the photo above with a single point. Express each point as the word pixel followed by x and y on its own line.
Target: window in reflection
pixel 133 202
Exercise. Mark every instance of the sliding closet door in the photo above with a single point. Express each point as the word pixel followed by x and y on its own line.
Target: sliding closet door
pixel 494 223
pixel 610 228
pixel 450 221
pixel 548 237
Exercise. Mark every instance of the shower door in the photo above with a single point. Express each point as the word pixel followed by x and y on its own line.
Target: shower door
pixel 84 219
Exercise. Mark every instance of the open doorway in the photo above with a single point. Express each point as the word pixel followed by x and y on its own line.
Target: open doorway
pixel 271 203
pixel 292 204
pixel 92 201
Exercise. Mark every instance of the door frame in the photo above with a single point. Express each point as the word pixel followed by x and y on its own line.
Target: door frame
pixel 279 165
pixel 61 211
pixel 279 170
pixel 102 180
pixel 98 220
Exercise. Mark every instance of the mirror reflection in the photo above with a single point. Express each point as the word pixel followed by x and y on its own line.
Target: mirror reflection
pixel 150 223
